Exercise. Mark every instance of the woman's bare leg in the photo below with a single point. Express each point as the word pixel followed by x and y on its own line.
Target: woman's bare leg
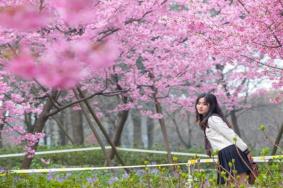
pixel 243 179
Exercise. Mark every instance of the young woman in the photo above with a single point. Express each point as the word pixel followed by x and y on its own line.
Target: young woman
pixel 233 153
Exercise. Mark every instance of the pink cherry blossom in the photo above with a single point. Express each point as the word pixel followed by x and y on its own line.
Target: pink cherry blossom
pixel 23 65
pixel 23 17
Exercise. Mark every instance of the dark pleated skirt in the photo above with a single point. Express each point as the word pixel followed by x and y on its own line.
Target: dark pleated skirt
pixel 238 160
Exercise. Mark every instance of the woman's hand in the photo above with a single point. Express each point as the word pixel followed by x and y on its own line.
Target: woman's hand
pixel 250 157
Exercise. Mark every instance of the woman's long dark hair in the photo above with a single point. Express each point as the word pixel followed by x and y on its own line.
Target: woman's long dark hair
pixel 214 109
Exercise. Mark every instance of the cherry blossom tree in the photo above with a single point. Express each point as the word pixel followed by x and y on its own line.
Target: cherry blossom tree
pixel 150 53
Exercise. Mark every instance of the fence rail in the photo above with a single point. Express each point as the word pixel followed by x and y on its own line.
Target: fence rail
pixel 98 148
pixel 191 162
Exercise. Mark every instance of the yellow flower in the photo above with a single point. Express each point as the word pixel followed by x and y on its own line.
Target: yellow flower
pixel 192 162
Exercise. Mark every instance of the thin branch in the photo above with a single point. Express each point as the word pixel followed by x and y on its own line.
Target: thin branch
pixel 131 20
pixel 276 38
pixel 245 110
pixel 243 5
pixel 41 6
pixel 9 125
pixel 86 98
pixel 54 102
pixel 107 33
pixel 270 66
pixel 270 46
pixel 12 49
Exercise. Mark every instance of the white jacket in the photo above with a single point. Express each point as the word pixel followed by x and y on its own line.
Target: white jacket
pixel 220 135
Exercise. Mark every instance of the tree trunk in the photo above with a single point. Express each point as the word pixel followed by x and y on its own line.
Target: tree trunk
pixel 234 120
pixel 277 141
pixel 189 143
pixel 77 127
pixel 28 122
pixel 122 118
pixel 164 131
pixel 63 133
pixel 179 133
pixel 104 132
pixel 45 141
pixel 38 127
pixel 161 122
pixel 150 132
pixel 137 131
pixel 1 139
pixel 51 134
pixel 95 133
